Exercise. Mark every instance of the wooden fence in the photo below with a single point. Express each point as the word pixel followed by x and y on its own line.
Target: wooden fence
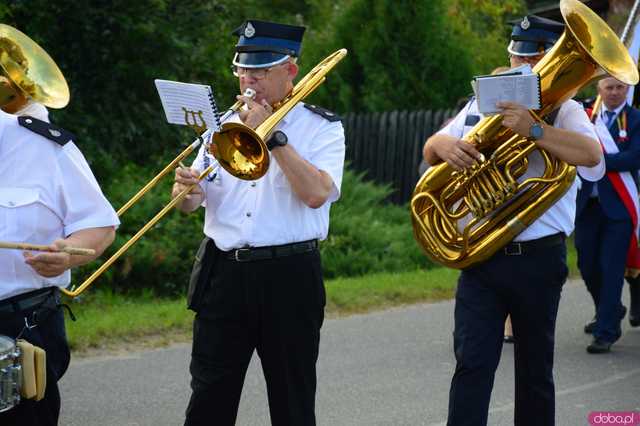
pixel 388 146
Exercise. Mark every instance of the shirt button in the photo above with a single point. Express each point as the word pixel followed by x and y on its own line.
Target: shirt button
pixel 248 214
pixel 253 184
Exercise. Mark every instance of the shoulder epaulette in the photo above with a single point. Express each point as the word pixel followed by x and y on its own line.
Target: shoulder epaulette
pixel 325 113
pixel 47 130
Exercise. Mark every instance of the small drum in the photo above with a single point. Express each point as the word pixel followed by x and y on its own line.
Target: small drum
pixel 10 373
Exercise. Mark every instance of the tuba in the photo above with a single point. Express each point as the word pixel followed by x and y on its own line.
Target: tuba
pixel 461 218
pixel 27 72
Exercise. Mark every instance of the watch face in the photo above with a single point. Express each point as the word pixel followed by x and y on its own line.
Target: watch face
pixel 536 131
pixel 280 138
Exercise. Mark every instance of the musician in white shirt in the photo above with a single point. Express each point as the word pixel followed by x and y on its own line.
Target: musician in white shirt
pixel 263 288
pixel 48 196
pixel 523 279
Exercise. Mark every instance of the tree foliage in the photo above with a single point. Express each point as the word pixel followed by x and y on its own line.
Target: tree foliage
pixel 403 54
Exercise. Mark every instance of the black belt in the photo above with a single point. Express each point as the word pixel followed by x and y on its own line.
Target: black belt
pixel 27 301
pixel 251 254
pixel 523 247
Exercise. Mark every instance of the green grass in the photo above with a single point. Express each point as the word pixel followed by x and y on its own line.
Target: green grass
pixel 116 321
pixel 106 320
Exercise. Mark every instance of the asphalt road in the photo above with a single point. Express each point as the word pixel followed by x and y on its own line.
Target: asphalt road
pixel 385 368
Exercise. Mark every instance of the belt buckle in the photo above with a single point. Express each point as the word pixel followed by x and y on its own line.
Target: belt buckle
pixel 513 249
pixel 238 258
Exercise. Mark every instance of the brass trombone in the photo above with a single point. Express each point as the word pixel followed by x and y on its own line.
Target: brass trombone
pixel 74 292
pixel 240 150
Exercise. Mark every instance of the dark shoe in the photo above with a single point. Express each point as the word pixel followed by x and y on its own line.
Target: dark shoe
pixel 598 346
pixel 590 326
pixel 634 307
pixel 509 339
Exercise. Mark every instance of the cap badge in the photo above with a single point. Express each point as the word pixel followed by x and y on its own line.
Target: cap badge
pixel 249 30
pixel 525 24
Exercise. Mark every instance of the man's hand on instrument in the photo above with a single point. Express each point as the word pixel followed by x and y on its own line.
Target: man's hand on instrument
pixel 184 178
pixel 459 154
pixel 256 113
pixel 516 117
pixel 49 264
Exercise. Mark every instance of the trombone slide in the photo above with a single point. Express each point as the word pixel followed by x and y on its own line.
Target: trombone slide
pixel 137 236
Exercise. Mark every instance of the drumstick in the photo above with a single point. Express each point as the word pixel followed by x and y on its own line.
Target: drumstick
pixel 38 247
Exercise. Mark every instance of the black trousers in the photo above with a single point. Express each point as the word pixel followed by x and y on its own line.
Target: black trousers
pixel 50 335
pixel 602 244
pixel 275 307
pixel 528 287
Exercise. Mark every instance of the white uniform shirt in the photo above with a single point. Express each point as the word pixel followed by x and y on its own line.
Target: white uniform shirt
pixel 266 211
pixel 47 192
pixel 561 216
pixel 35 110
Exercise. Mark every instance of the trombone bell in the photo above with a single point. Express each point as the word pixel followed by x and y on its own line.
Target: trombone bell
pixel 240 151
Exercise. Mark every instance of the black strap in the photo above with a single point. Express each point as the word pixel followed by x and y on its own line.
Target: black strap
pixel 251 254
pixel 47 130
pixel 517 248
pixel 325 113
pixel 262 48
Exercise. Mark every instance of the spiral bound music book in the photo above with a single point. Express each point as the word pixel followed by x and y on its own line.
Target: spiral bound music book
pixel 189 104
pixel 512 87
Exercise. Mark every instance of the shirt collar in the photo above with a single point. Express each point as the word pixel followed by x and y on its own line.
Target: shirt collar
pixel 616 111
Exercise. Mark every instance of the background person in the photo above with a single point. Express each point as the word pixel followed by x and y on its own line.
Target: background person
pixel 511 281
pixel 604 226
pixel 261 284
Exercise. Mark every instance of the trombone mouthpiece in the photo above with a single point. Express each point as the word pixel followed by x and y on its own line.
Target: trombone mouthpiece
pixel 249 93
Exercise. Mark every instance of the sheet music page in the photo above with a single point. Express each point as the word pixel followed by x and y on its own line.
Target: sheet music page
pixel 519 88
pixel 187 103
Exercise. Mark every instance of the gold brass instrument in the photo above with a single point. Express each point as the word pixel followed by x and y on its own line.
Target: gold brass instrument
pixel 240 150
pixel 76 291
pixel 28 72
pixel 463 217
pixel 178 160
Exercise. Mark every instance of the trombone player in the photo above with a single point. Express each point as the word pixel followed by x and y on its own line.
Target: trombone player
pixel 48 196
pixel 257 282
pixel 513 281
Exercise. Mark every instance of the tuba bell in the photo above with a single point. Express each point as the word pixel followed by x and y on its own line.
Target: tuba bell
pixel 461 218
pixel 27 72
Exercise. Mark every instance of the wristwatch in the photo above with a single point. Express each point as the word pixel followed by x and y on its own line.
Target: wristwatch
pixel 278 138
pixel 536 131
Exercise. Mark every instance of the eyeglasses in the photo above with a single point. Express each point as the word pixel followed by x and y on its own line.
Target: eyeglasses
pixel 256 73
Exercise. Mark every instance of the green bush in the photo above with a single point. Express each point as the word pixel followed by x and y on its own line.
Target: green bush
pixel 161 260
pixel 366 235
